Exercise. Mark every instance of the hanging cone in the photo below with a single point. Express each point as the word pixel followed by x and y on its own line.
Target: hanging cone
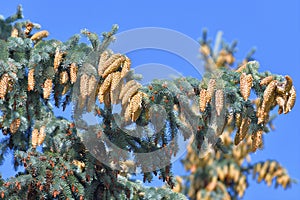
pixel 39 35
pixel 114 66
pixel 210 90
pixel 3 85
pixel 256 140
pixel 202 99
pixel 47 88
pixel 34 137
pixel 57 59
pixel 41 136
pixel 73 73
pixel 31 81
pixel 125 67
pixel 219 101
pixel 266 80
pixel 245 85
pixel 291 100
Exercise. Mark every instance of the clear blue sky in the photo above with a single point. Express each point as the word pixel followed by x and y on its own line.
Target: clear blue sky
pixel 273 27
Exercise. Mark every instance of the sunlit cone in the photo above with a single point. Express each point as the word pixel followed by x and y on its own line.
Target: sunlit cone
pixel 266 80
pixel 73 72
pixel 41 136
pixel 242 130
pixel 14 126
pixel 245 85
pixel 28 29
pixel 114 66
pixel 127 112
pixel 256 140
pixel 202 99
pixel 47 88
pixel 219 101
pixel 34 137
pixel 269 93
pixel 291 100
pixel 135 105
pixel 39 35
pixel 116 79
pixel 107 63
pixel 103 57
pixel 127 96
pixel 288 84
pixel 31 81
pixel 210 89
pixel 63 77
pixel 3 85
pixel 14 33
pixel 127 86
pixel 57 59
pixel 125 67
pixel 105 86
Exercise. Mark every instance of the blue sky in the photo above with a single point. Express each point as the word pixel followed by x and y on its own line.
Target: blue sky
pixel 273 27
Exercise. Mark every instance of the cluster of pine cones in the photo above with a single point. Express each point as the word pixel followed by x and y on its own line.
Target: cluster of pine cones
pixel 270 170
pixel 112 87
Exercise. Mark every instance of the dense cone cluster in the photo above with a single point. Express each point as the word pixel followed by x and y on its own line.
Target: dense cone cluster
pixel 225 176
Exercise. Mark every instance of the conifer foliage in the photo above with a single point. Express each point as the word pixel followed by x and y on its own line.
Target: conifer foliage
pixel 36 73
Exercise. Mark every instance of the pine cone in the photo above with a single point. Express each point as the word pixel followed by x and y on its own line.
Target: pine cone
pixel 114 66
pixel 34 137
pixel 103 65
pixel 127 86
pixel 127 96
pixel 103 58
pixel 31 81
pixel 266 80
pixel 57 59
pixel 39 35
pixel 256 140
pixel 288 84
pixel 202 99
pixel 3 85
pixel 245 85
pixel 242 130
pixel 291 100
pixel 125 67
pixel 135 105
pixel 210 90
pixel 73 73
pixel 63 77
pixel 104 88
pixel 219 101
pixel 14 126
pixel 41 136
pixel 47 88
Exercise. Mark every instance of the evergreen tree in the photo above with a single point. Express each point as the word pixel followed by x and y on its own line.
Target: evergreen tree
pixel 36 73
